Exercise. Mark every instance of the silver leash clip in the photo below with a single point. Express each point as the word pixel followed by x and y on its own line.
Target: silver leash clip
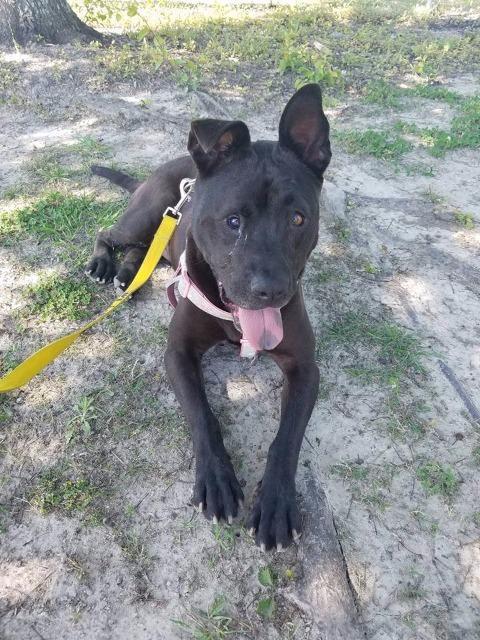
pixel 186 185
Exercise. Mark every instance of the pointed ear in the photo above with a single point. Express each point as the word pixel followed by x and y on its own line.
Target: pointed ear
pixel 304 129
pixel 214 142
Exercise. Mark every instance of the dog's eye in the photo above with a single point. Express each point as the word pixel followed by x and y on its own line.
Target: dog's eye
pixel 297 219
pixel 233 222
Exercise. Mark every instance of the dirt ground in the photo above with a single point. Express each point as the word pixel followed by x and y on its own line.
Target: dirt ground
pixel 98 540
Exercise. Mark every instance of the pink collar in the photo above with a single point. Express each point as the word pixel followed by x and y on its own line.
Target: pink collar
pixel 261 330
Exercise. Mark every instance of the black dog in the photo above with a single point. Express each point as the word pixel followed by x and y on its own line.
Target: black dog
pixel 250 226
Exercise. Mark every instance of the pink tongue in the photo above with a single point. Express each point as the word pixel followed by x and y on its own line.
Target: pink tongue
pixel 263 329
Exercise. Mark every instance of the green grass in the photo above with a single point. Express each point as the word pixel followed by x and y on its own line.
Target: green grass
pixel 379 144
pixel 438 479
pixel 337 43
pixel 46 167
pixel 369 484
pixel 394 354
pixel 392 96
pixel 54 492
pixel 383 93
pixel 61 217
pixel 59 298
pixel 225 538
pixel 464 130
pixel 464 219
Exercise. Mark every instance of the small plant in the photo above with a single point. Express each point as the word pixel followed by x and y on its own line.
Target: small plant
pixel 341 230
pixel 266 606
pixel 464 219
pixel 437 479
pixel 212 624
pixel 134 548
pixel 81 423
pixel 309 65
pixel 383 93
pixel 379 144
pixel 57 297
pixel 54 492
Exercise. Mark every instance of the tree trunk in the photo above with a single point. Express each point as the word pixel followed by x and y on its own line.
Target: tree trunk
pixel 52 20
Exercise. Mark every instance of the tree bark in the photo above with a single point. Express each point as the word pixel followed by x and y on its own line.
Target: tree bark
pixel 52 20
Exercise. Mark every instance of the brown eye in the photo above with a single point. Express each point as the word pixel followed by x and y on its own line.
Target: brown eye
pixel 297 219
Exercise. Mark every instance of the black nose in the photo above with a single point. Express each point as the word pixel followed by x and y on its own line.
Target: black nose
pixel 267 289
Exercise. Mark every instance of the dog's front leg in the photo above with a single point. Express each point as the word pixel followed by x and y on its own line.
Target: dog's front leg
pixel 275 518
pixel 217 491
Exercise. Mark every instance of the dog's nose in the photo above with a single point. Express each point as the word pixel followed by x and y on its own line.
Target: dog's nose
pixel 267 290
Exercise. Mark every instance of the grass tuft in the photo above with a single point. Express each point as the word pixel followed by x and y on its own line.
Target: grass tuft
pixel 379 144
pixel 438 479
pixel 61 217
pixel 55 493
pixel 57 297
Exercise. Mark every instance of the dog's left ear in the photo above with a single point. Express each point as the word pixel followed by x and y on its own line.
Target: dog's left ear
pixel 214 142
pixel 304 129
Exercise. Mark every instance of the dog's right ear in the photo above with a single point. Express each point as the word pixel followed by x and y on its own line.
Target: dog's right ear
pixel 215 142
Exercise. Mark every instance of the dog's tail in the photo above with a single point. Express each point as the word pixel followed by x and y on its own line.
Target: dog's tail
pixel 117 177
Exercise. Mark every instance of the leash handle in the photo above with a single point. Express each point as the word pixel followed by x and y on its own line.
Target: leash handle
pixel 35 363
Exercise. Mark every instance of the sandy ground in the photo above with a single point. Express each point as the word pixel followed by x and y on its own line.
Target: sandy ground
pixel 413 558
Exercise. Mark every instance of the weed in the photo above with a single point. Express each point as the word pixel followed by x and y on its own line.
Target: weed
pixel 341 230
pixel 437 479
pixel 476 518
pixel 308 65
pixel 464 219
pixel 212 624
pixel 134 548
pixel 434 198
pixel 266 577
pixel 379 144
pixel 57 297
pixel 383 93
pixel 81 423
pixel 370 268
pixel 266 608
pixel 68 496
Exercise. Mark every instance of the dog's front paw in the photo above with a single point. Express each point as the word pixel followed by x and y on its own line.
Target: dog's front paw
pixel 217 492
pixel 101 269
pixel 275 519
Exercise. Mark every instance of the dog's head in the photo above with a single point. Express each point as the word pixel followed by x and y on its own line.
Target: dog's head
pixel 255 217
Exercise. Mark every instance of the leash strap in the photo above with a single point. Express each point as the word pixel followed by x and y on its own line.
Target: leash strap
pixel 35 363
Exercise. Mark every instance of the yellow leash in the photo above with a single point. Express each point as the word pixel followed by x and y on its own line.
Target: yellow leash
pixel 35 363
